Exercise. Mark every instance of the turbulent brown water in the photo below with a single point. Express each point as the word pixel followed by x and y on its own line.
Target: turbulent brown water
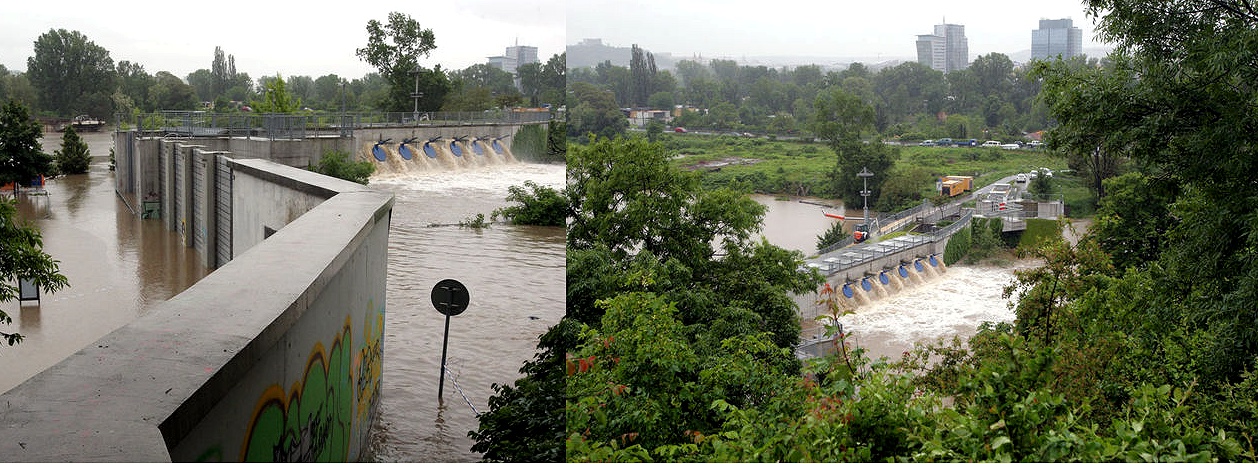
pixel 515 276
pixel 119 266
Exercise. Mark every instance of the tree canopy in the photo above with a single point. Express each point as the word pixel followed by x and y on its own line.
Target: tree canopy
pixel 72 74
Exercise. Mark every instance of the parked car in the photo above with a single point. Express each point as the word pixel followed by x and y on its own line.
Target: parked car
pixel 1011 146
pixel 1020 178
pixel 945 142
pixel 679 130
pixel 991 143
pixel 1036 144
pixel 927 143
pixel 968 143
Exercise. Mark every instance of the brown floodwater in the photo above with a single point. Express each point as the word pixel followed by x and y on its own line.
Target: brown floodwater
pixel 118 265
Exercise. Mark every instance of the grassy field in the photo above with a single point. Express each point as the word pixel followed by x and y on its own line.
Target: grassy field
pixel 802 168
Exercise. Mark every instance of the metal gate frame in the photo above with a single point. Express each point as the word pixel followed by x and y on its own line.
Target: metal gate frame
pixel 223 243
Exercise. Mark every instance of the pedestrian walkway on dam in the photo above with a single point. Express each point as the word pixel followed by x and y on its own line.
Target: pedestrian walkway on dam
pixel 869 258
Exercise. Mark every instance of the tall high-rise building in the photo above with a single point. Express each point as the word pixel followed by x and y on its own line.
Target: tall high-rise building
pixel 946 50
pixel 516 56
pixel 1056 37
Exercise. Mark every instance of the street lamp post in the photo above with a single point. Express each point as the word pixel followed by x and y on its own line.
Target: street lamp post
pixel 865 175
pixel 415 95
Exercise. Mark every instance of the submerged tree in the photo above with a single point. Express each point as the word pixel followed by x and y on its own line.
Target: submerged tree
pixel 74 156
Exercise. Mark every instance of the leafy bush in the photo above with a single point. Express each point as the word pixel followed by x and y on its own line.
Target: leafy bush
pixel 539 206
pixel 337 164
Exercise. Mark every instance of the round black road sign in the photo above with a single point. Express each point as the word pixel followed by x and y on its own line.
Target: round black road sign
pixel 450 297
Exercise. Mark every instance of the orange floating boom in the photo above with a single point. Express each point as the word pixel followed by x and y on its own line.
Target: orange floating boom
pixel 833 215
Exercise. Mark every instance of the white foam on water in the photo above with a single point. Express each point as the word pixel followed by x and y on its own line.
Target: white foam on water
pixel 953 304
pixel 489 178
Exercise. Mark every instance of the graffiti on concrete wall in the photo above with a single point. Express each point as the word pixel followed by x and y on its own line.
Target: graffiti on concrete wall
pixel 367 366
pixel 313 420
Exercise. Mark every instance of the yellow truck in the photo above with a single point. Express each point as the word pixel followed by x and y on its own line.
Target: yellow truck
pixel 951 186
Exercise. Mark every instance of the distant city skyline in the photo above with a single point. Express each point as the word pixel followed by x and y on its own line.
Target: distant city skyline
pixel 870 32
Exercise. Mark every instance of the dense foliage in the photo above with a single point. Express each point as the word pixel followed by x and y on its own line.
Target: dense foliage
pixel 72 74
pixel 992 99
pixel 668 326
pixel 22 158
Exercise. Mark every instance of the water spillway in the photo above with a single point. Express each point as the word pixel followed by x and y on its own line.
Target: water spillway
pixel 437 154
pixel 857 296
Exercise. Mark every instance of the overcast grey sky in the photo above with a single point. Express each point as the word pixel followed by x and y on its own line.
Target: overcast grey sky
pixel 887 29
pixel 311 38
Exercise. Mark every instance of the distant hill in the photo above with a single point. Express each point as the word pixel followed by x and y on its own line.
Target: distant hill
pixel 590 52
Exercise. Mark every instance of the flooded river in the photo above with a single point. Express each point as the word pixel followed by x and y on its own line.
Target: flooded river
pixel 119 266
pixel 515 276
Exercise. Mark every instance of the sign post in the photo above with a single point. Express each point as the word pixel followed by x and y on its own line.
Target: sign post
pixel 450 297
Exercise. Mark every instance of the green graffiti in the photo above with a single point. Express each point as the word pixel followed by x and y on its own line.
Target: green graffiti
pixel 313 421
pixel 214 454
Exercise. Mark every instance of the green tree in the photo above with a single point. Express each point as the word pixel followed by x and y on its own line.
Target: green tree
pixel 643 72
pixel 302 88
pixel 595 112
pixel 135 83
pixel 1134 218
pixel 672 326
pixel 395 48
pixel 834 234
pixel 839 119
pixel 276 98
pixel 202 83
pixel 72 74
pixel 1095 140
pixel 21 156
pixel 171 93
pixel 338 164
pixel 328 92
pixel 74 156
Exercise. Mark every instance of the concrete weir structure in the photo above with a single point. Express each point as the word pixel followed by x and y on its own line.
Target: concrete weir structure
pixel 274 356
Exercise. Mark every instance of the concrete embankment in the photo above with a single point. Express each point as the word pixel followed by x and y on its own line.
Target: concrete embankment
pixel 275 356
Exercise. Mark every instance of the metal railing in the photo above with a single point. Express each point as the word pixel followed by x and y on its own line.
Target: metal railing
pixel 871 251
pixel 302 125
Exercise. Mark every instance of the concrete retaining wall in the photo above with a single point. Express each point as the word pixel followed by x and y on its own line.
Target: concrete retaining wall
pixel 275 356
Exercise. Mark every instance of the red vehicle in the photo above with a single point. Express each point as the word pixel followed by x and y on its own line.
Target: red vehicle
pixel 679 130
